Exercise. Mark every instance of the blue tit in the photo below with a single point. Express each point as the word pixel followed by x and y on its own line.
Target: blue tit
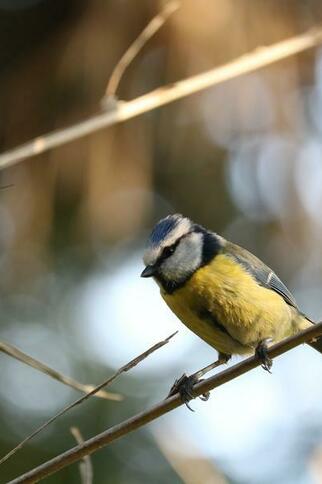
pixel 222 292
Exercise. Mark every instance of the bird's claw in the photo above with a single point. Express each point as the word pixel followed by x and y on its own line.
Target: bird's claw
pixel 205 396
pixel 262 355
pixel 184 386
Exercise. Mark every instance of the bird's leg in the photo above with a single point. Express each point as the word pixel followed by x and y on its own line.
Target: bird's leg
pixel 184 385
pixel 261 353
pixel 222 359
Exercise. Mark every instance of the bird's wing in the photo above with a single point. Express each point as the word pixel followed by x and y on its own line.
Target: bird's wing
pixel 263 274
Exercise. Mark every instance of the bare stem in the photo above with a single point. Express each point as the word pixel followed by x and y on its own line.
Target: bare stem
pixel 153 26
pixel 161 408
pixel 85 466
pixel 125 110
pixel 92 392
pixel 56 375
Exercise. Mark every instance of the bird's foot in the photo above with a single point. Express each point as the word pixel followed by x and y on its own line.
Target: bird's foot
pixel 184 386
pixel 262 355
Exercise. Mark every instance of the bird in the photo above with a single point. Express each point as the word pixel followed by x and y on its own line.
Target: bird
pixel 220 291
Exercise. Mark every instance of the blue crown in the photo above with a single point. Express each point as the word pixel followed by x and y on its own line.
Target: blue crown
pixel 163 228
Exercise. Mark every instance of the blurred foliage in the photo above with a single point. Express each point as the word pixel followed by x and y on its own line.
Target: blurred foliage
pixel 244 158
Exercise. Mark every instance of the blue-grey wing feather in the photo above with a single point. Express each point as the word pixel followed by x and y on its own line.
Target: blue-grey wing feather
pixel 260 271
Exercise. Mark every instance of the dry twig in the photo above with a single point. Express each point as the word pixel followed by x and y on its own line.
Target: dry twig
pixel 95 390
pixel 85 466
pixel 153 26
pixel 110 435
pixel 14 352
pixel 124 110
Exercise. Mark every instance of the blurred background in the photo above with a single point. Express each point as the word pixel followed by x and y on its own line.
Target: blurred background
pixel 243 158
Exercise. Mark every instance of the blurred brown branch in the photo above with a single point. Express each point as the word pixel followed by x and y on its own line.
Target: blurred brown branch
pixel 192 467
pixel 14 352
pixel 153 26
pixel 128 366
pixel 85 466
pixel 161 408
pixel 124 110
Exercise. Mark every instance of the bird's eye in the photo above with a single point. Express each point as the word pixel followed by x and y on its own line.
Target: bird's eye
pixel 167 251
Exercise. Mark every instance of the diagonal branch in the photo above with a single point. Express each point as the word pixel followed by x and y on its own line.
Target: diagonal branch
pixel 96 390
pixel 153 26
pixel 19 355
pixel 124 110
pixel 110 435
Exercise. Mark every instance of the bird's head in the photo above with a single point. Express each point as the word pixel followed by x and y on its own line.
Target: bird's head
pixel 176 248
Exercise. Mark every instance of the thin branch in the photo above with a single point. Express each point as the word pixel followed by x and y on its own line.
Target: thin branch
pixel 14 352
pixel 153 26
pixel 110 435
pixel 95 390
pixel 124 110
pixel 85 466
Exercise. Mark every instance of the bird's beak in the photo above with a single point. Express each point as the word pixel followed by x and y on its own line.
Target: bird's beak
pixel 149 271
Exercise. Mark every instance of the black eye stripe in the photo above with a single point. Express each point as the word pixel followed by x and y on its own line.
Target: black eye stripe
pixel 169 250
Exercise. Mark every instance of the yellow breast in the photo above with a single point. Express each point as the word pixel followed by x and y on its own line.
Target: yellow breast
pixel 248 312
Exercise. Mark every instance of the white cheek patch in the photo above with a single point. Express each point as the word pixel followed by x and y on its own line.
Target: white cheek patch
pixel 185 260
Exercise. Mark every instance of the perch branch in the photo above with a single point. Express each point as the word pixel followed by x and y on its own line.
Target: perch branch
pixel 110 435
pixel 124 110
